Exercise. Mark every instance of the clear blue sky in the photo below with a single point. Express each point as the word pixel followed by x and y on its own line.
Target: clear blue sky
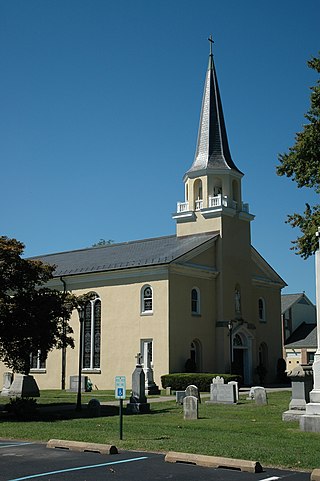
pixel 99 110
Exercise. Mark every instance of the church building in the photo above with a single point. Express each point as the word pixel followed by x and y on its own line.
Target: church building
pixel 203 299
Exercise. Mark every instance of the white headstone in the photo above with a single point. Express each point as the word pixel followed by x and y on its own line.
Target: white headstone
pixel 222 393
pixel 218 380
pixel 236 386
pixel 192 390
pixel 260 395
pixel 190 407
pixel 7 381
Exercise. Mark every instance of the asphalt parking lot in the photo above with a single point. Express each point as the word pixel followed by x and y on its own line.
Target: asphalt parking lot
pixel 27 461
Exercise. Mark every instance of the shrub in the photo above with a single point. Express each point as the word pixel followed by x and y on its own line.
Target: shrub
pixel 22 408
pixel 179 381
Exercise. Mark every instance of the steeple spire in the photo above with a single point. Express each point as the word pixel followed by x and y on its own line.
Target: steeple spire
pixel 212 151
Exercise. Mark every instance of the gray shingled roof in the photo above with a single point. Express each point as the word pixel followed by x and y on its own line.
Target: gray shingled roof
pixel 308 340
pixel 287 301
pixel 141 253
pixel 212 151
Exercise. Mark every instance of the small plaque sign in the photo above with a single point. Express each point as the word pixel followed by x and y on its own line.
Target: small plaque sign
pixel 120 387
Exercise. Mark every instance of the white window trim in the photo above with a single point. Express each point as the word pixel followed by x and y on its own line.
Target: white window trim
pixel 91 368
pixel 39 369
pixel 142 299
pixel 198 311
pixel 264 317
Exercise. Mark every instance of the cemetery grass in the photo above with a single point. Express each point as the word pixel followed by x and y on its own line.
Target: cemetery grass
pixel 243 431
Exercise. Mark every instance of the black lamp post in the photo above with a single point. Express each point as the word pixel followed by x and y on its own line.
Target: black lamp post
pixel 81 320
pixel 230 327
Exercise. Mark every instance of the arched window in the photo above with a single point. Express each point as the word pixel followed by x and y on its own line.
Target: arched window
pixel 237 300
pixel 146 300
pixel 261 310
pixel 195 301
pixel 198 194
pixel 237 341
pixel 92 334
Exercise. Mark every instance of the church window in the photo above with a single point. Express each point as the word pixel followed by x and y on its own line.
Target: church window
pixel 92 334
pixel 195 301
pixel 198 194
pixel 147 300
pixel 262 310
pixel 36 362
pixel 237 341
pixel 237 300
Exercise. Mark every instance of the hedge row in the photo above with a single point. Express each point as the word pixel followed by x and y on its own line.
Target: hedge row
pixel 179 381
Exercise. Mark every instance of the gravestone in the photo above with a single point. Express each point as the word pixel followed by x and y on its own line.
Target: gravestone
pixel 260 395
pixel 74 383
pixel 24 386
pixel 222 393
pixel 94 407
pixel 192 390
pixel 251 394
pixel 190 408
pixel 180 395
pixel 236 386
pixel 302 382
pixel 7 381
pixel 218 380
pixel 138 402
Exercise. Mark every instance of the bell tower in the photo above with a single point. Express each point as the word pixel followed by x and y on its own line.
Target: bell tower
pixel 213 195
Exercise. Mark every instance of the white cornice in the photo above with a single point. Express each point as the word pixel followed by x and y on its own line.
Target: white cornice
pixel 194 270
pixel 210 212
pixel 81 280
pixel 246 216
pixel 265 282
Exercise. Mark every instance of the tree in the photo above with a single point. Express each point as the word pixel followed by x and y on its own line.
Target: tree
pixel 103 242
pixel 33 318
pixel 302 164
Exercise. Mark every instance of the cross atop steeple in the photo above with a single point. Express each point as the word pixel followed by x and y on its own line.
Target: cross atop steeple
pixel 212 151
pixel 211 42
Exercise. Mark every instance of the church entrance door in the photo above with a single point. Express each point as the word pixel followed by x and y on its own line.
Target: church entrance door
pixel 238 362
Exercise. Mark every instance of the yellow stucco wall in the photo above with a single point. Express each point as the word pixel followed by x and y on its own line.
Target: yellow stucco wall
pixel 215 271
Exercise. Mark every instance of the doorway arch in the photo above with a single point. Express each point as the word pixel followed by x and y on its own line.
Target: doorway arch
pixel 242 354
pixel 196 354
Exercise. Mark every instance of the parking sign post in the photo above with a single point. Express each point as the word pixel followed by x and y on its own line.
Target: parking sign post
pixel 120 393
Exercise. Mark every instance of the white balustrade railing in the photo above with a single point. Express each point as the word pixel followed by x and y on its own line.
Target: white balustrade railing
pixel 182 206
pixel 215 201
pixel 198 204
pixel 245 207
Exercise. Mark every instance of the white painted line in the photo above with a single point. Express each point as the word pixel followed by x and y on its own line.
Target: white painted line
pixel 272 478
pixel 79 468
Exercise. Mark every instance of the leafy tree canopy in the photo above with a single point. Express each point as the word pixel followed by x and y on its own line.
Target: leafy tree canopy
pixel 302 164
pixel 32 317
pixel 103 242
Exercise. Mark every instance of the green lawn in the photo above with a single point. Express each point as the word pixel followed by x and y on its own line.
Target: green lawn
pixel 244 431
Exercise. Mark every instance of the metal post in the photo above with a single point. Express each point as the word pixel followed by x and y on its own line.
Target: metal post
pixel 121 418
pixel 81 320
pixel 230 327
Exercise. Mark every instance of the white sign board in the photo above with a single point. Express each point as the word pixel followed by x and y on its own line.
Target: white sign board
pixel 120 387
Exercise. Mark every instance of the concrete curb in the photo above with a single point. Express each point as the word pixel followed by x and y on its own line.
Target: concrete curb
pixel 214 462
pixel 315 475
pixel 80 446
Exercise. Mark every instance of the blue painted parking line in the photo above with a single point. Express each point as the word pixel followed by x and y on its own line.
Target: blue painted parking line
pixel 10 445
pixel 79 468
